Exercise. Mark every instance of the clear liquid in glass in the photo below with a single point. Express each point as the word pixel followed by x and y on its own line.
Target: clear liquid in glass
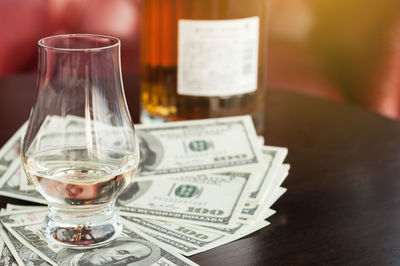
pixel 82 188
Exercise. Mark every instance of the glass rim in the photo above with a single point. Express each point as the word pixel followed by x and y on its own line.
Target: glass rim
pixel 42 45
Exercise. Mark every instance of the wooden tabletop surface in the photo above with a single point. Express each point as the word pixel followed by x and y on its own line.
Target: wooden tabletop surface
pixel 343 201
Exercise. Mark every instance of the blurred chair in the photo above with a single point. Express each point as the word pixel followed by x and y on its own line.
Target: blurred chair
pixel 343 50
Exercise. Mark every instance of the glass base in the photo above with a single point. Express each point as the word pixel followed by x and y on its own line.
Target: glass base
pixel 75 230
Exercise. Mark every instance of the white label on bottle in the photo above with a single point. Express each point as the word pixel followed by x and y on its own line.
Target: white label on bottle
pixel 217 57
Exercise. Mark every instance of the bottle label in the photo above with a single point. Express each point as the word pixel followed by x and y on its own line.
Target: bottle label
pixel 218 57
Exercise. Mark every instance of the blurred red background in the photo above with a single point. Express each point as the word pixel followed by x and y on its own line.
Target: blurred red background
pixel 24 22
pixel 341 50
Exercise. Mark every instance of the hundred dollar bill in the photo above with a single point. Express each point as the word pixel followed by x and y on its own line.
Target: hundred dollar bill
pixel 238 229
pixel 198 146
pixel 260 141
pixel 10 150
pixel 170 243
pixel 253 209
pixel 176 148
pixel 207 199
pixel 24 183
pixel 266 210
pixel 217 231
pixel 23 215
pixel 186 239
pixel 179 148
pixel 276 195
pixel 10 185
pixel 273 158
pixel 6 258
pixel 247 230
pixel 278 192
pixel 131 247
pixel 15 207
pixel 23 255
pixel 277 182
pixel 200 239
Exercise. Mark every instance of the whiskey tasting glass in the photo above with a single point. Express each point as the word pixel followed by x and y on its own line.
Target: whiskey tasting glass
pixel 80 149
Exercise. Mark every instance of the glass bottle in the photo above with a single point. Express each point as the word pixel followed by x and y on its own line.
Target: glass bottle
pixel 202 58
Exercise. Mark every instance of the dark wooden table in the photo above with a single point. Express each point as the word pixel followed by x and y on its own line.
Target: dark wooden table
pixel 343 199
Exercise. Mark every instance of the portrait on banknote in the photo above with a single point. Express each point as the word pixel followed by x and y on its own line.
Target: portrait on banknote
pixel 151 151
pixel 123 251
pixel 32 257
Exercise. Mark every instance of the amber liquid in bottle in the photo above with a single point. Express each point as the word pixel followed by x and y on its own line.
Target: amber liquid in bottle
pixel 159 60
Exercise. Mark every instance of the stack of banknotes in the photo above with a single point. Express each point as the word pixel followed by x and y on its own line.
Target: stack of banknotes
pixel 200 184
